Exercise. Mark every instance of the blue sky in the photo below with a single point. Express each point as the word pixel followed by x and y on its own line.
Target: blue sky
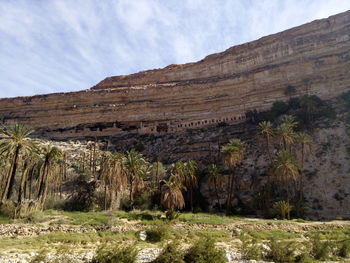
pixel 68 45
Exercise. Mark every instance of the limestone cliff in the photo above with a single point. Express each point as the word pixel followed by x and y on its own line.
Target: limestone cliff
pixel 314 57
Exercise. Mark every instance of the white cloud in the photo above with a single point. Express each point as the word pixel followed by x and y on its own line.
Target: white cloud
pixel 64 45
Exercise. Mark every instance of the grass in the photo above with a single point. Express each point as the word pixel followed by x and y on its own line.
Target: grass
pixel 187 229
pixel 4 219
pixel 272 234
pixel 85 218
pixel 57 239
pixel 209 219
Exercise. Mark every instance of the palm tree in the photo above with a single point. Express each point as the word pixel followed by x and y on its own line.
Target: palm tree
pixel 266 130
pixel 113 175
pixel 157 171
pixel 215 179
pixel 51 158
pixel 177 172
pixel 233 153
pixel 286 168
pixel 30 161
pixel 134 163
pixel 285 135
pixel 171 196
pixel 14 140
pixel 190 182
pixel 305 141
pixel 310 105
pixel 290 121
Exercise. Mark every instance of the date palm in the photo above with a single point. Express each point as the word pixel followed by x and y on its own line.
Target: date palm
pixel 305 141
pixel 285 135
pixel 134 163
pixel 51 158
pixel 266 130
pixel 286 169
pixel 233 153
pixel 14 141
pixel 171 196
pixel 190 182
pixel 112 174
pixel 30 161
pixel 215 179
pixel 177 172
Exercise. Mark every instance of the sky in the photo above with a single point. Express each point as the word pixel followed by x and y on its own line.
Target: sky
pixel 51 46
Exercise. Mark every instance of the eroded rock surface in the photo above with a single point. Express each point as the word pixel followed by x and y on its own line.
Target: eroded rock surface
pixel 315 58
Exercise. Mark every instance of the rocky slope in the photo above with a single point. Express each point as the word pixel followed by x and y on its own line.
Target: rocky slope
pixel 315 58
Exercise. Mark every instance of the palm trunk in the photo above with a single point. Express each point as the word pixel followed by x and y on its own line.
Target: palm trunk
pixel 21 189
pixel 268 148
pixel 105 200
pixel 229 199
pixel 191 198
pixel 301 195
pixel 217 194
pixel 11 179
pixel 131 190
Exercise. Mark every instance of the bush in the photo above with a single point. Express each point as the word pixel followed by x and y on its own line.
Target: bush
pixel 9 209
pixel 143 201
pixel 250 248
pixel 344 250
pixel 115 254
pixel 320 250
pixel 170 254
pixel 281 251
pixel 158 233
pixel 283 209
pixel 279 107
pixel 126 204
pixel 204 251
pixel 171 215
pixel 83 197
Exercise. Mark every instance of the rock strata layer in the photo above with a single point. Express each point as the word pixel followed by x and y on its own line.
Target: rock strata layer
pixel 314 58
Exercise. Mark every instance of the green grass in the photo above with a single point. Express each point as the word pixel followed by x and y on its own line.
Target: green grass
pixel 57 239
pixel 272 234
pixel 138 215
pixel 209 219
pixel 332 234
pixel 85 218
pixel 4 219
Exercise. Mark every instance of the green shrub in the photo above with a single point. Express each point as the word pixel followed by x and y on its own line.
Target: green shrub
pixel 83 197
pixel 304 258
pixel 279 107
pixel 204 251
pixel 9 209
pixel 281 251
pixel 320 250
pixel 158 233
pixel 250 248
pixel 170 254
pixel 40 257
pixel 283 209
pixel 116 254
pixel 344 250
pixel 171 215
pixel 143 201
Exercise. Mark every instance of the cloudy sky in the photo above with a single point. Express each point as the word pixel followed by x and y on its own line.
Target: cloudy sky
pixel 67 45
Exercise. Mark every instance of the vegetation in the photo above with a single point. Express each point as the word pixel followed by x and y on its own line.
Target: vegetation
pixel 205 251
pixel 115 254
pixel 91 187
pixel 171 254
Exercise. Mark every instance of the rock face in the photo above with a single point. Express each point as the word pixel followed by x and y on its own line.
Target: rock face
pixel 314 58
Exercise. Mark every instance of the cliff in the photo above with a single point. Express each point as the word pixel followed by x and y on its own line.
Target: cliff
pixel 314 58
